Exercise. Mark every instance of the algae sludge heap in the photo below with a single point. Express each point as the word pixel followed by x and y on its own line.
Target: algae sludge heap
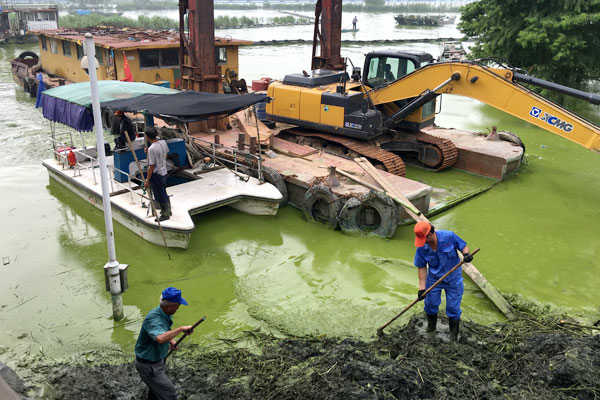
pixel 300 199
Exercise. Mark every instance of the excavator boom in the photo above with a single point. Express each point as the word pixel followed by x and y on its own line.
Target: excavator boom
pixel 497 88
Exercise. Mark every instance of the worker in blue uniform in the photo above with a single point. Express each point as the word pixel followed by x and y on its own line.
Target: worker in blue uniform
pixel 437 253
pixel 153 344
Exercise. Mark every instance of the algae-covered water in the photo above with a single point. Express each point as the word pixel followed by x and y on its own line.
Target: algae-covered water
pixel 538 233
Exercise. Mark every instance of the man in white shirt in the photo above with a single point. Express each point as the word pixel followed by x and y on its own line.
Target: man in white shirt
pixel 157 172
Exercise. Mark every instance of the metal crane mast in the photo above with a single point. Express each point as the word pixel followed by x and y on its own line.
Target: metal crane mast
pixel 328 14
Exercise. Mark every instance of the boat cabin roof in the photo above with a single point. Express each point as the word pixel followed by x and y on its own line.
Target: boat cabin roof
pixel 130 38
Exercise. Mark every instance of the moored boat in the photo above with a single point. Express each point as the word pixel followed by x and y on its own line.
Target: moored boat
pixel 452 51
pixel 19 21
pixel 193 189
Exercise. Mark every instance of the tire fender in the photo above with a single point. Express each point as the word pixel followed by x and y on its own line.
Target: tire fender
pixel 26 54
pixel 321 205
pixel 351 218
pixel 274 178
pixel 107 119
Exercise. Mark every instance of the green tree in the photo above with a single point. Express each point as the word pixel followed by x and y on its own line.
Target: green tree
pixel 556 40
pixel 374 3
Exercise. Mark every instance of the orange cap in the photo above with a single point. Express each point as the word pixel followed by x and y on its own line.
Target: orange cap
pixel 422 229
pixel 119 112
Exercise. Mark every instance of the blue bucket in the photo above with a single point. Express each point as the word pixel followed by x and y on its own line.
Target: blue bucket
pixel 261 112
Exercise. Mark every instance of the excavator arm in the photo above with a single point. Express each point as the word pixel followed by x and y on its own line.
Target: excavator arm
pixel 496 87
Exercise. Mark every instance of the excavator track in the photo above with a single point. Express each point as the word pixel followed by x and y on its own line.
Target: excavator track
pixel 392 162
pixel 448 149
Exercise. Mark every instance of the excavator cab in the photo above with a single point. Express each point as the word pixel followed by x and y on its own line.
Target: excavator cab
pixel 384 67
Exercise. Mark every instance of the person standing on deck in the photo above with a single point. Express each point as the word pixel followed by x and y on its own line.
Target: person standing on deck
pixel 157 172
pixel 122 126
pixel 354 21
pixel 153 344
pixel 437 254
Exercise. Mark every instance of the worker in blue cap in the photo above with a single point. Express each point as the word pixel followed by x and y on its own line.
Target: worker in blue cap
pixel 153 344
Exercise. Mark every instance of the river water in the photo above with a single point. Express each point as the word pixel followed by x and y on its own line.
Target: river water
pixel 538 232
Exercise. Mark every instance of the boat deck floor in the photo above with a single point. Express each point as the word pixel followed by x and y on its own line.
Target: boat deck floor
pixel 301 166
pixel 206 191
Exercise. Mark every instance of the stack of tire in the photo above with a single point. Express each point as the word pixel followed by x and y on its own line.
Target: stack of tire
pixel 371 214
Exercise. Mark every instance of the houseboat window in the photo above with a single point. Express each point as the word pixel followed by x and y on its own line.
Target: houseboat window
pixel 45 16
pixel 30 16
pixel 169 58
pixel 221 53
pixel 53 46
pixel 100 55
pixel 79 51
pixel 149 59
pixel 66 46
pixel 44 43
pixel 159 58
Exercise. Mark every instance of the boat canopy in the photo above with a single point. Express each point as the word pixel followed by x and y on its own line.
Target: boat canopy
pixel 71 104
pixel 188 106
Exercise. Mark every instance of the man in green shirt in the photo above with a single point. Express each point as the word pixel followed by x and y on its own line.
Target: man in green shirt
pixel 153 344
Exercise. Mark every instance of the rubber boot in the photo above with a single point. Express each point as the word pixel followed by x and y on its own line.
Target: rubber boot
pixel 431 322
pixel 168 212
pixel 454 328
pixel 163 212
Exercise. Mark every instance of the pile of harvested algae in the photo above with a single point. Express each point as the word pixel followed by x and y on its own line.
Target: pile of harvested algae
pixel 531 358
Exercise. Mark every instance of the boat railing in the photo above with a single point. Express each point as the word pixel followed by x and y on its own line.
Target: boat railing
pixel 61 154
pixel 239 156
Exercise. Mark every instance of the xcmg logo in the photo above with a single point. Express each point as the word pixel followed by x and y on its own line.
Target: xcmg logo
pixel 551 119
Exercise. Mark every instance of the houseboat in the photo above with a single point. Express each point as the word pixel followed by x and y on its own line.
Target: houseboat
pixel 18 22
pixel 149 56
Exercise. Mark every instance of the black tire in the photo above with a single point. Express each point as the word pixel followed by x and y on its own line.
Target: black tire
pixel 107 119
pixel 26 54
pixel 321 205
pixel 243 85
pixel 274 178
pixel 373 214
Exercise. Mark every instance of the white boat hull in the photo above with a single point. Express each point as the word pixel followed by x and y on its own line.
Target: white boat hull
pixel 211 190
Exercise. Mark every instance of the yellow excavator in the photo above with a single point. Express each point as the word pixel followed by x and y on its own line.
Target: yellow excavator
pixel 380 112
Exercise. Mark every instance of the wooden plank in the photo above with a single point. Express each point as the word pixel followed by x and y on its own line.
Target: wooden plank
pixel 489 290
pixel 472 272
pixel 299 150
pixel 246 122
pixel 390 189
pixel 375 188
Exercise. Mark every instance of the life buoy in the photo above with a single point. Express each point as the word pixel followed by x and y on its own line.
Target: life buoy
pixel 321 205
pixel 373 214
pixel 274 178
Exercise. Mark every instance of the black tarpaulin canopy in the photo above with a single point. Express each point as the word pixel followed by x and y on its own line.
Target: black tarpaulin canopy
pixel 186 106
